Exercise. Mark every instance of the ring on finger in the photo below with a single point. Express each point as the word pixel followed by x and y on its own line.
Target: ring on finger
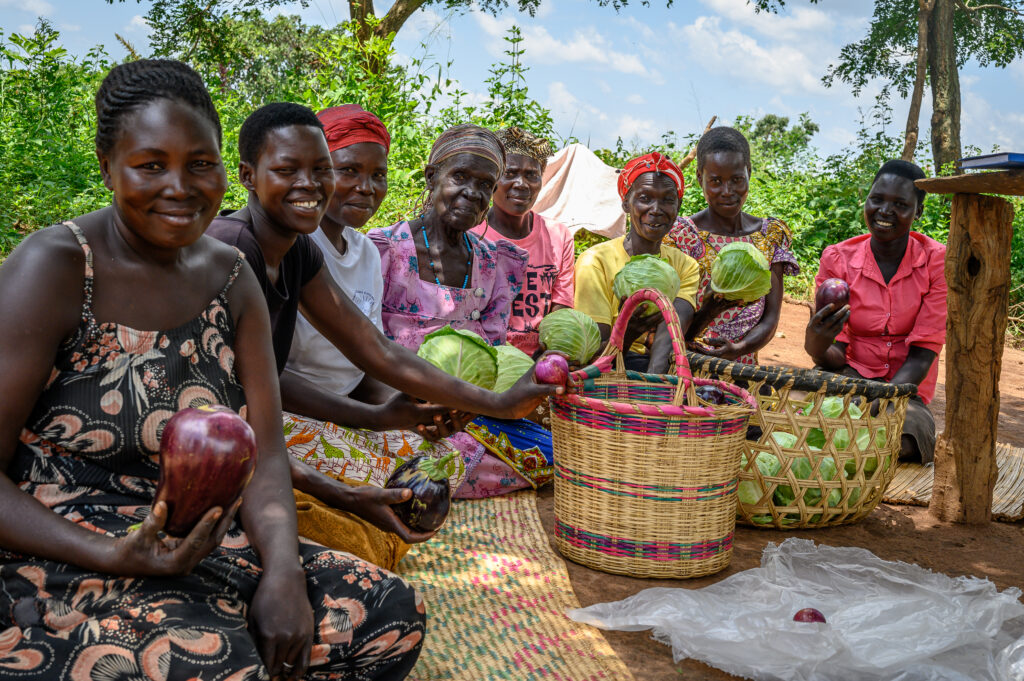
pixel 287 667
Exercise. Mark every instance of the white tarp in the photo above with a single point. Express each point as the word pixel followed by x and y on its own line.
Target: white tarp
pixel 580 192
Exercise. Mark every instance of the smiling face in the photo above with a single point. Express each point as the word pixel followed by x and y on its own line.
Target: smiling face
pixel 725 178
pixel 519 185
pixel 460 190
pixel 166 174
pixel 293 177
pixel 360 183
pixel 891 208
pixel 653 206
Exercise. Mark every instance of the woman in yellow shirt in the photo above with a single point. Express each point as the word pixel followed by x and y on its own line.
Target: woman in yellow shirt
pixel 651 188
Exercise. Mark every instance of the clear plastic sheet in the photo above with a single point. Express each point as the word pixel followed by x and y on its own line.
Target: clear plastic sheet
pixel 887 621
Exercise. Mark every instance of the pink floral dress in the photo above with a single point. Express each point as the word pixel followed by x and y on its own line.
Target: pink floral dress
pixel 412 308
pixel 773 240
pixel 89 452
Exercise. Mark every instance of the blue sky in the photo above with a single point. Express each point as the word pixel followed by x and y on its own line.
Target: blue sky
pixel 636 73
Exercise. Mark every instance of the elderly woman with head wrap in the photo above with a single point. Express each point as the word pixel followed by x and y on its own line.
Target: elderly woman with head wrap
pixel 549 271
pixel 651 188
pixel 436 271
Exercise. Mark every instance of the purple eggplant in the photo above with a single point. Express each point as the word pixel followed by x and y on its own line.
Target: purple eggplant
pixel 711 393
pixel 431 497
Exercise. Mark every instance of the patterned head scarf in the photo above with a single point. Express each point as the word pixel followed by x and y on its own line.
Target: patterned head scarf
pixel 649 163
pixel 351 124
pixel 518 141
pixel 468 139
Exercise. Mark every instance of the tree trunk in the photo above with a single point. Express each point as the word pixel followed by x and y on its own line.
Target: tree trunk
pixel 914 115
pixel 945 82
pixel 358 11
pixel 978 274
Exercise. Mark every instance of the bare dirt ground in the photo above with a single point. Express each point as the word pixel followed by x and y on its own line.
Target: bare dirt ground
pixel 905 533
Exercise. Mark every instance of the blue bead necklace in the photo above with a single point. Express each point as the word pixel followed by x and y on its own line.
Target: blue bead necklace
pixel 433 268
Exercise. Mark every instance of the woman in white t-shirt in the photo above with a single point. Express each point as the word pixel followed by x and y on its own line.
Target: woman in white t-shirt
pixel 349 425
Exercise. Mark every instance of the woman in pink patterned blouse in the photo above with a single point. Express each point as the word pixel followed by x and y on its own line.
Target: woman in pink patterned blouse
pixel 722 328
pixel 436 272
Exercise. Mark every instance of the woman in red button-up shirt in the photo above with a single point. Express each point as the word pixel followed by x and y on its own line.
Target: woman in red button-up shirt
pixel 895 324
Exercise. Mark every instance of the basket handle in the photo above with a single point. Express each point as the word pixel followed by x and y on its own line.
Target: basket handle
pixel 614 348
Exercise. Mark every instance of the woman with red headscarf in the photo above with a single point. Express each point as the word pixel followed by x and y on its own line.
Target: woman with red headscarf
pixel 651 188
pixel 348 424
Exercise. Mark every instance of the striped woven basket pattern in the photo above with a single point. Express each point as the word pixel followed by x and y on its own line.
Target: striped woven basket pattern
pixel 646 472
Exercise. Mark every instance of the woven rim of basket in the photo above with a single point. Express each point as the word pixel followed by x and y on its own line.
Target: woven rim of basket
pixel 800 379
pixel 747 401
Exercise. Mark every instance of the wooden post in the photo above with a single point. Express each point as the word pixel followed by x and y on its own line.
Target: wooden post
pixel 978 276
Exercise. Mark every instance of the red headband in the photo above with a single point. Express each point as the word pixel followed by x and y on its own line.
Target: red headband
pixel 650 163
pixel 351 124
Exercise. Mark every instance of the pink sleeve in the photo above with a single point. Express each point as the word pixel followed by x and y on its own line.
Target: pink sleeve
pixel 510 271
pixel 830 265
pixel 383 244
pixel 929 330
pixel 564 289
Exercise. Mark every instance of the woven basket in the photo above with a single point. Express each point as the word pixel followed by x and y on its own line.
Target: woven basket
pixel 645 485
pixel 842 477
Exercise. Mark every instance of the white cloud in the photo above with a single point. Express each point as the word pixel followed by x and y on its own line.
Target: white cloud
pixel 586 46
pixel 631 128
pixel 566 106
pixel 783 66
pixel 635 99
pixel 69 27
pixel 27 29
pixel 138 23
pixel 547 7
pixel 40 8
pixel 786 26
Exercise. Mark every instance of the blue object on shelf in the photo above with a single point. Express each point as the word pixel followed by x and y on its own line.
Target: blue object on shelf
pixel 1003 159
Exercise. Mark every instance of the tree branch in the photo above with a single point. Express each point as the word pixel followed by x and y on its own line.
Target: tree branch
pixel 692 154
pixel 397 16
pixel 962 4
pixel 925 8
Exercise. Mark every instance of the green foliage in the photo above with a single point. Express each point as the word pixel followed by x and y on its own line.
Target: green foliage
pixel 49 172
pixel 48 167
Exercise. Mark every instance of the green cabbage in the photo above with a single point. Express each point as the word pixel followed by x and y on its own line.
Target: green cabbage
pixel 462 354
pixel 646 271
pixel 749 491
pixel 571 332
pixel 512 364
pixel 784 494
pixel 741 272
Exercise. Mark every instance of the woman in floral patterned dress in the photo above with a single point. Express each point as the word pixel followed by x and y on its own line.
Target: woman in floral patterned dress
pixel 721 328
pixel 92 590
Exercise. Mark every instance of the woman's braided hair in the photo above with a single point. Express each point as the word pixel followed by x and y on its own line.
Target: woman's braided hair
pixel 130 86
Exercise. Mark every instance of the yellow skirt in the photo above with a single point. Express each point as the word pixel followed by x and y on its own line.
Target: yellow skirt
pixel 343 531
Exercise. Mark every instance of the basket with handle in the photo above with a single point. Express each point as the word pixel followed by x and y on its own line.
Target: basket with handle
pixel 645 470
pixel 826 447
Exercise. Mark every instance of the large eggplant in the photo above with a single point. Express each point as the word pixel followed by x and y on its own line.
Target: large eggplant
pixel 207 456
pixel 431 497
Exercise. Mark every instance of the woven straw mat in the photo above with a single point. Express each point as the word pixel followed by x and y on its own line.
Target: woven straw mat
pixel 496 596
pixel 912 484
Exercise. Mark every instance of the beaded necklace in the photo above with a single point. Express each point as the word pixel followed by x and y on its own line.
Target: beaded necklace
pixel 433 268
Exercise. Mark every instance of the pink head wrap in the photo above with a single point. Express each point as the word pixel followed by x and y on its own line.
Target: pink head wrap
pixel 649 163
pixel 351 124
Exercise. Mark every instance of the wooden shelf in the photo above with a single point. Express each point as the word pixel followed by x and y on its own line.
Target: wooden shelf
pixel 1005 182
